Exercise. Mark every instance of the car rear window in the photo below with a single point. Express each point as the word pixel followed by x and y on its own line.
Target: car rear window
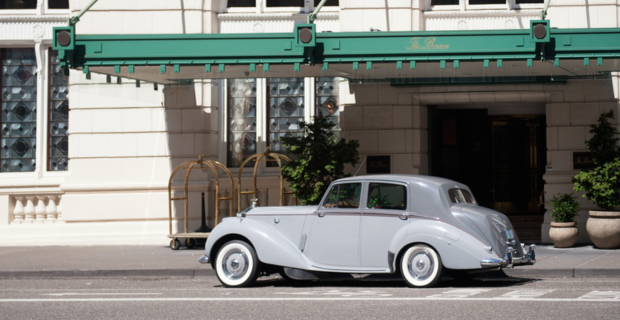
pixel 387 196
pixel 460 196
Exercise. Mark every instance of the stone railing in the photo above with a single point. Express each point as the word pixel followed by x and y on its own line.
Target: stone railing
pixel 274 22
pixel 479 20
pixel 36 209
pixel 29 27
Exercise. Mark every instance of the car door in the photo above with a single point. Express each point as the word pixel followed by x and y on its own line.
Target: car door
pixel 383 214
pixel 334 238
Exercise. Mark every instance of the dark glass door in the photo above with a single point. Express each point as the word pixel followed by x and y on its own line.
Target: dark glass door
pixel 519 157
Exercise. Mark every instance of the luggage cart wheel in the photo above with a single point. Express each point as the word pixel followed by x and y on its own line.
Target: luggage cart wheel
pixel 190 243
pixel 175 244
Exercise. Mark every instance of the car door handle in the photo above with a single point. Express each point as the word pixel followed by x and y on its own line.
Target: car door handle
pixel 321 214
pixel 404 216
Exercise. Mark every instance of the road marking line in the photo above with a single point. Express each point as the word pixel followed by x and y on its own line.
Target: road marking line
pixel 338 293
pixel 185 299
pixel 100 294
pixel 522 294
pixel 459 293
pixel 602 295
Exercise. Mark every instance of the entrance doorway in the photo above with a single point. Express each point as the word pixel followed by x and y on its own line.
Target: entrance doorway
pixel 500 157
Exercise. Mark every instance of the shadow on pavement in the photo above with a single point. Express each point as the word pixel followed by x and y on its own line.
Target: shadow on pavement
pixel 493 279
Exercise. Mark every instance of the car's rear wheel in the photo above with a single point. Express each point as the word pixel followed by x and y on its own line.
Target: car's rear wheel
pixel 421 266
pixel 236 264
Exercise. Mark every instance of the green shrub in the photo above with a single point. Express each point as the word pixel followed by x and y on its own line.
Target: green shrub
pixel 319 159
pixel 602 184
pixel 565 207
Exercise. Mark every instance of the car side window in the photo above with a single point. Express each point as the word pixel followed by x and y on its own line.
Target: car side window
pixel 346 195
pixel 387 196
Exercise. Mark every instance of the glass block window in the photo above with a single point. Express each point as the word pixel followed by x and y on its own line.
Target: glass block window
pixel 285 3
pixel 18 4
pixel 19 110
pixel 241 3
pixel 58 4
pixel 58 116
pixel 286 110
pixel 444 2
pixel 328 3
pixel 241 120
pixel 487 1
pixel 327 103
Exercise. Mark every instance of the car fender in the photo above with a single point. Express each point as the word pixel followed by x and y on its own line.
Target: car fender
pixel 457 249
pixel 271 246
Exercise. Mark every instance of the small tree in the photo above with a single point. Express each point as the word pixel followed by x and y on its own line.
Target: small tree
pixel 604 142
pixel 602 184
pixel 319 159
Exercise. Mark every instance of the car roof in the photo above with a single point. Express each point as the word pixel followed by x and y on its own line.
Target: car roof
pixel 403 178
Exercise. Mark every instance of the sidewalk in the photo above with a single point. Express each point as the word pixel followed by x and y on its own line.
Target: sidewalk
pixel 162 262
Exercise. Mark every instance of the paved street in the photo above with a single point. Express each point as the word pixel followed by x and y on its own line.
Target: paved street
pixel 273 298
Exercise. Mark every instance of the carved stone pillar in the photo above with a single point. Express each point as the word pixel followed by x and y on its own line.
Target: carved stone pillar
pixel 29 210
pixel 18 212
pixel 39 210
pixel 52 214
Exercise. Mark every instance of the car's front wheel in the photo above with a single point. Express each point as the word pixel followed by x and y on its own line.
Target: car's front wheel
pixel 236 264
pixel 421 266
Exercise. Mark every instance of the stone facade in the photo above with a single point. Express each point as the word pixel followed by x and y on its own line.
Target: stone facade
pixel 125 141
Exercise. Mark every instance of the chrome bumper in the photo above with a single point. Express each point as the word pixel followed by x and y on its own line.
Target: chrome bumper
pixel 204 260
pixel 509 260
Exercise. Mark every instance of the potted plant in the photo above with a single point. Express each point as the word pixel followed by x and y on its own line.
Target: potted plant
pixel 564 232
pixel 602 184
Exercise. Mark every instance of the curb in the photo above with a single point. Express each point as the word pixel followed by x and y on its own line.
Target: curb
pixel 150 273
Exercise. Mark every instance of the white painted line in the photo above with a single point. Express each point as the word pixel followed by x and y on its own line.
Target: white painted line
pixel 275 299
pixel 459 293
pixel 602 295
pixel 523 294
pixel 99 294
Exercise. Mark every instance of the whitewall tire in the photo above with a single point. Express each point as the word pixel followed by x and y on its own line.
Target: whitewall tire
pixel 421 266
pixel 236 264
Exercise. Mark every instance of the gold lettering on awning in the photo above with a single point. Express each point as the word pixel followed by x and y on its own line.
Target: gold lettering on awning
pixel 428 43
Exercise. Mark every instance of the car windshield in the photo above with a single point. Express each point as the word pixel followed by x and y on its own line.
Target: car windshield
pixel 460 196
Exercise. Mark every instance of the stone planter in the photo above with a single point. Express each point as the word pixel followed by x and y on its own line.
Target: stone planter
pixel 604 229
pixel 563 234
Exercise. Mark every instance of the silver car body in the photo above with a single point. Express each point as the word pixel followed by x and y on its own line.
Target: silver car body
pixel 369 240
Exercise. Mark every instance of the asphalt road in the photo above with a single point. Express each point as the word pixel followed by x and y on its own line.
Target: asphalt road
pixel 275 298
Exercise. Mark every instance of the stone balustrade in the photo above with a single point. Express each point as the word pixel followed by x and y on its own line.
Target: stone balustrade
pixel 479 20
pixel 36 209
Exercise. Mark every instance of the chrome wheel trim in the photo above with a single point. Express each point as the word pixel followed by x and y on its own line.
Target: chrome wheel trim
pixel 234 264
pixel 420 265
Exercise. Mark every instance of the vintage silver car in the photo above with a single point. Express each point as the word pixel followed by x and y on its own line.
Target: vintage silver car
pixel 418 226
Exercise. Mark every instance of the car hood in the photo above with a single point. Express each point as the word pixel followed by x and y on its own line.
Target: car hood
pixel 301 210
pixel 492 225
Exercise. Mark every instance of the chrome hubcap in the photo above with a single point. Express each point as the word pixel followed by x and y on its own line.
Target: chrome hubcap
pixel 420 265
pixel 235 264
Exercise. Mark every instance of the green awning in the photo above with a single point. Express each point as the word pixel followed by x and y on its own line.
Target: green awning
pixel 539 51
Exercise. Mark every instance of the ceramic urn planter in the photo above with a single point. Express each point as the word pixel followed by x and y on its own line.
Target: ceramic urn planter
pixel 604 229
pixel 563 234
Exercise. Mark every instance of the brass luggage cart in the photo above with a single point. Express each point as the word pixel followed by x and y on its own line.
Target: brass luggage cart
pixel 257 158
pixel 189 166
